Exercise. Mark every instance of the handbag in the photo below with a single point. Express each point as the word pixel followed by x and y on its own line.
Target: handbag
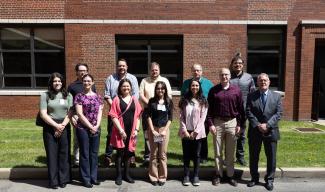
pixel 39 121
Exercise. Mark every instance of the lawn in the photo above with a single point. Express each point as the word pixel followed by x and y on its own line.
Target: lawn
pixel 21 145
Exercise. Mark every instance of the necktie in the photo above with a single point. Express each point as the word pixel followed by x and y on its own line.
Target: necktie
pixel 263 97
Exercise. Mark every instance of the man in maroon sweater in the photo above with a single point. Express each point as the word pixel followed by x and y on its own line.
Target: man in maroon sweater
pixel 224 119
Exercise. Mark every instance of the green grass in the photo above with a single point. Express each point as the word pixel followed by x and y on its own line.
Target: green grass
pixel 21 145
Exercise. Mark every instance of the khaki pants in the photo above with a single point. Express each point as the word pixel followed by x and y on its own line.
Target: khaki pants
pixel 225 138
pixel 158 158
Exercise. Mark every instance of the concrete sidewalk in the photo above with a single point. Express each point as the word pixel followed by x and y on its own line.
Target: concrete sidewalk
pixel 173 173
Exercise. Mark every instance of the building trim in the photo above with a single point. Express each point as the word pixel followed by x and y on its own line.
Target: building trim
pixel 312 22
pixel 21 92
pixel 159 22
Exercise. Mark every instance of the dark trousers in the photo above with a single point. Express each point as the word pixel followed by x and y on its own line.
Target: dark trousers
pixel 88 162
pixel 191 151
pixel 109 147
pixel 204 144
pixel 57 155
pixel 270 148
pixel 240 149
pixel 145 127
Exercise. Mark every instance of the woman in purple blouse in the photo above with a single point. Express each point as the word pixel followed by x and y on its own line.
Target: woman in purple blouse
pixel 89 108
pixel 193 111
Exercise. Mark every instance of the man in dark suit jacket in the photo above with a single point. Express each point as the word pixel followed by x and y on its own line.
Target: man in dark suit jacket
pixel 263 111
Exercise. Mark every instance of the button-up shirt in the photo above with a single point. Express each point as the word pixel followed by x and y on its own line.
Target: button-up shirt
pixel 225 103
pixel 112 82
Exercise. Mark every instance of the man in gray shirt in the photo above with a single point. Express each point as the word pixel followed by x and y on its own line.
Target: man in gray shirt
pixel 246 84
pixel 111 85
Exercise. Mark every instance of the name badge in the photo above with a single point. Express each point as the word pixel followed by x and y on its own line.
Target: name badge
pixel 161 107
pixel 62 102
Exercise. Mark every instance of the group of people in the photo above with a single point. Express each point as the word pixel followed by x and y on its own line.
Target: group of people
pixel 221 110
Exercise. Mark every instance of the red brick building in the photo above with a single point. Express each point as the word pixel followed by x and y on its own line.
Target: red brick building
pixel 284 38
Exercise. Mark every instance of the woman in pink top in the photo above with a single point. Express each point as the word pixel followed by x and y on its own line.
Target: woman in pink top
pixel 193 110
pixel 125 112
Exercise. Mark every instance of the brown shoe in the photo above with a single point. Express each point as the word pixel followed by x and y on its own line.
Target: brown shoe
pixel 216 180
pixel 108 161
pixel 132 162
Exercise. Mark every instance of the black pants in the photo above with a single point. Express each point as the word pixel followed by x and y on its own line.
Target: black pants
pixel 145 126
pixel 57 155
pixel 204 144
pixel 240 149
pixel 109 147
pixel 191 151
pixel 270 148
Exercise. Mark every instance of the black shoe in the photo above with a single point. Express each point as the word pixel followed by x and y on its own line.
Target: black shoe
pixel 53 187
pixel 196 181
pixel 269 186
pixel 154 183
pixel 252 183
pixel 88 185
pixel 186 181
pixel 129 179
pixel 233 182
pixel 95 182
pixel 63 185
pixel 241 162
pixel 161 183
pixel 216 180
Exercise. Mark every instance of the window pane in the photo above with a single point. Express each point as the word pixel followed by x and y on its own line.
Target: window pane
pixel 168 44
pixel 170 63
pixel 264 41
pixel 46 63
pixel 49 38
pixel 15 38
pixel 137 62
pixel 16 63
pixel 41 82
pixel 129 44
pixel 17 82
pixel 263 63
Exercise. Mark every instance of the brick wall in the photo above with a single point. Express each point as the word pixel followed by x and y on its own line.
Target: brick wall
pixel 19 107
pixel 32 9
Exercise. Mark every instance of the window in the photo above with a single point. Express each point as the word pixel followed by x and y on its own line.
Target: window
pixel 140 51
pixel 266 54
pixel 29 55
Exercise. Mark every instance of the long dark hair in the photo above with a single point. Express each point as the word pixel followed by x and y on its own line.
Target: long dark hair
pixel 119 92
pixel 51 91
pixel 187 98
pixel 167 100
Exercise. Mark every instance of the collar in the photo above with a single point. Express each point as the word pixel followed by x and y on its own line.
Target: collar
pixel 265 92
pixel 154 80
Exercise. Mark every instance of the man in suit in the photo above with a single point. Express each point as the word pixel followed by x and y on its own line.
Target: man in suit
pixel 263 111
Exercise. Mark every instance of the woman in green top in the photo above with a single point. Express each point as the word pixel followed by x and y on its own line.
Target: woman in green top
pixel 55 104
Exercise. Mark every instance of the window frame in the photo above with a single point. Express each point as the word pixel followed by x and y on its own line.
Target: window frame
pixel 149 52
pixel 270 29
pixel 32 51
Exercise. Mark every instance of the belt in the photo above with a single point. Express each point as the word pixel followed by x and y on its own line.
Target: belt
pixel 225 118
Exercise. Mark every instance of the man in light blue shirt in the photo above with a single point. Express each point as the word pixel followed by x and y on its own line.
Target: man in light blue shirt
pixel 111 85
pixel 206 85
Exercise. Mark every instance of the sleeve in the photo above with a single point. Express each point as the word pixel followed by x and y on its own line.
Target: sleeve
pixel 43 101
pixel 184 87
pixel 170 112
pixel 107 86
pixel 114 108
pixel 141 88
pixel 78 99
pixel 70 100
pixel 169 89
pixel 135 87
pixel 210 112
pixel 138 108
pixel 273 121
pixel 253 121
pixel 182 123
pixel 241 112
